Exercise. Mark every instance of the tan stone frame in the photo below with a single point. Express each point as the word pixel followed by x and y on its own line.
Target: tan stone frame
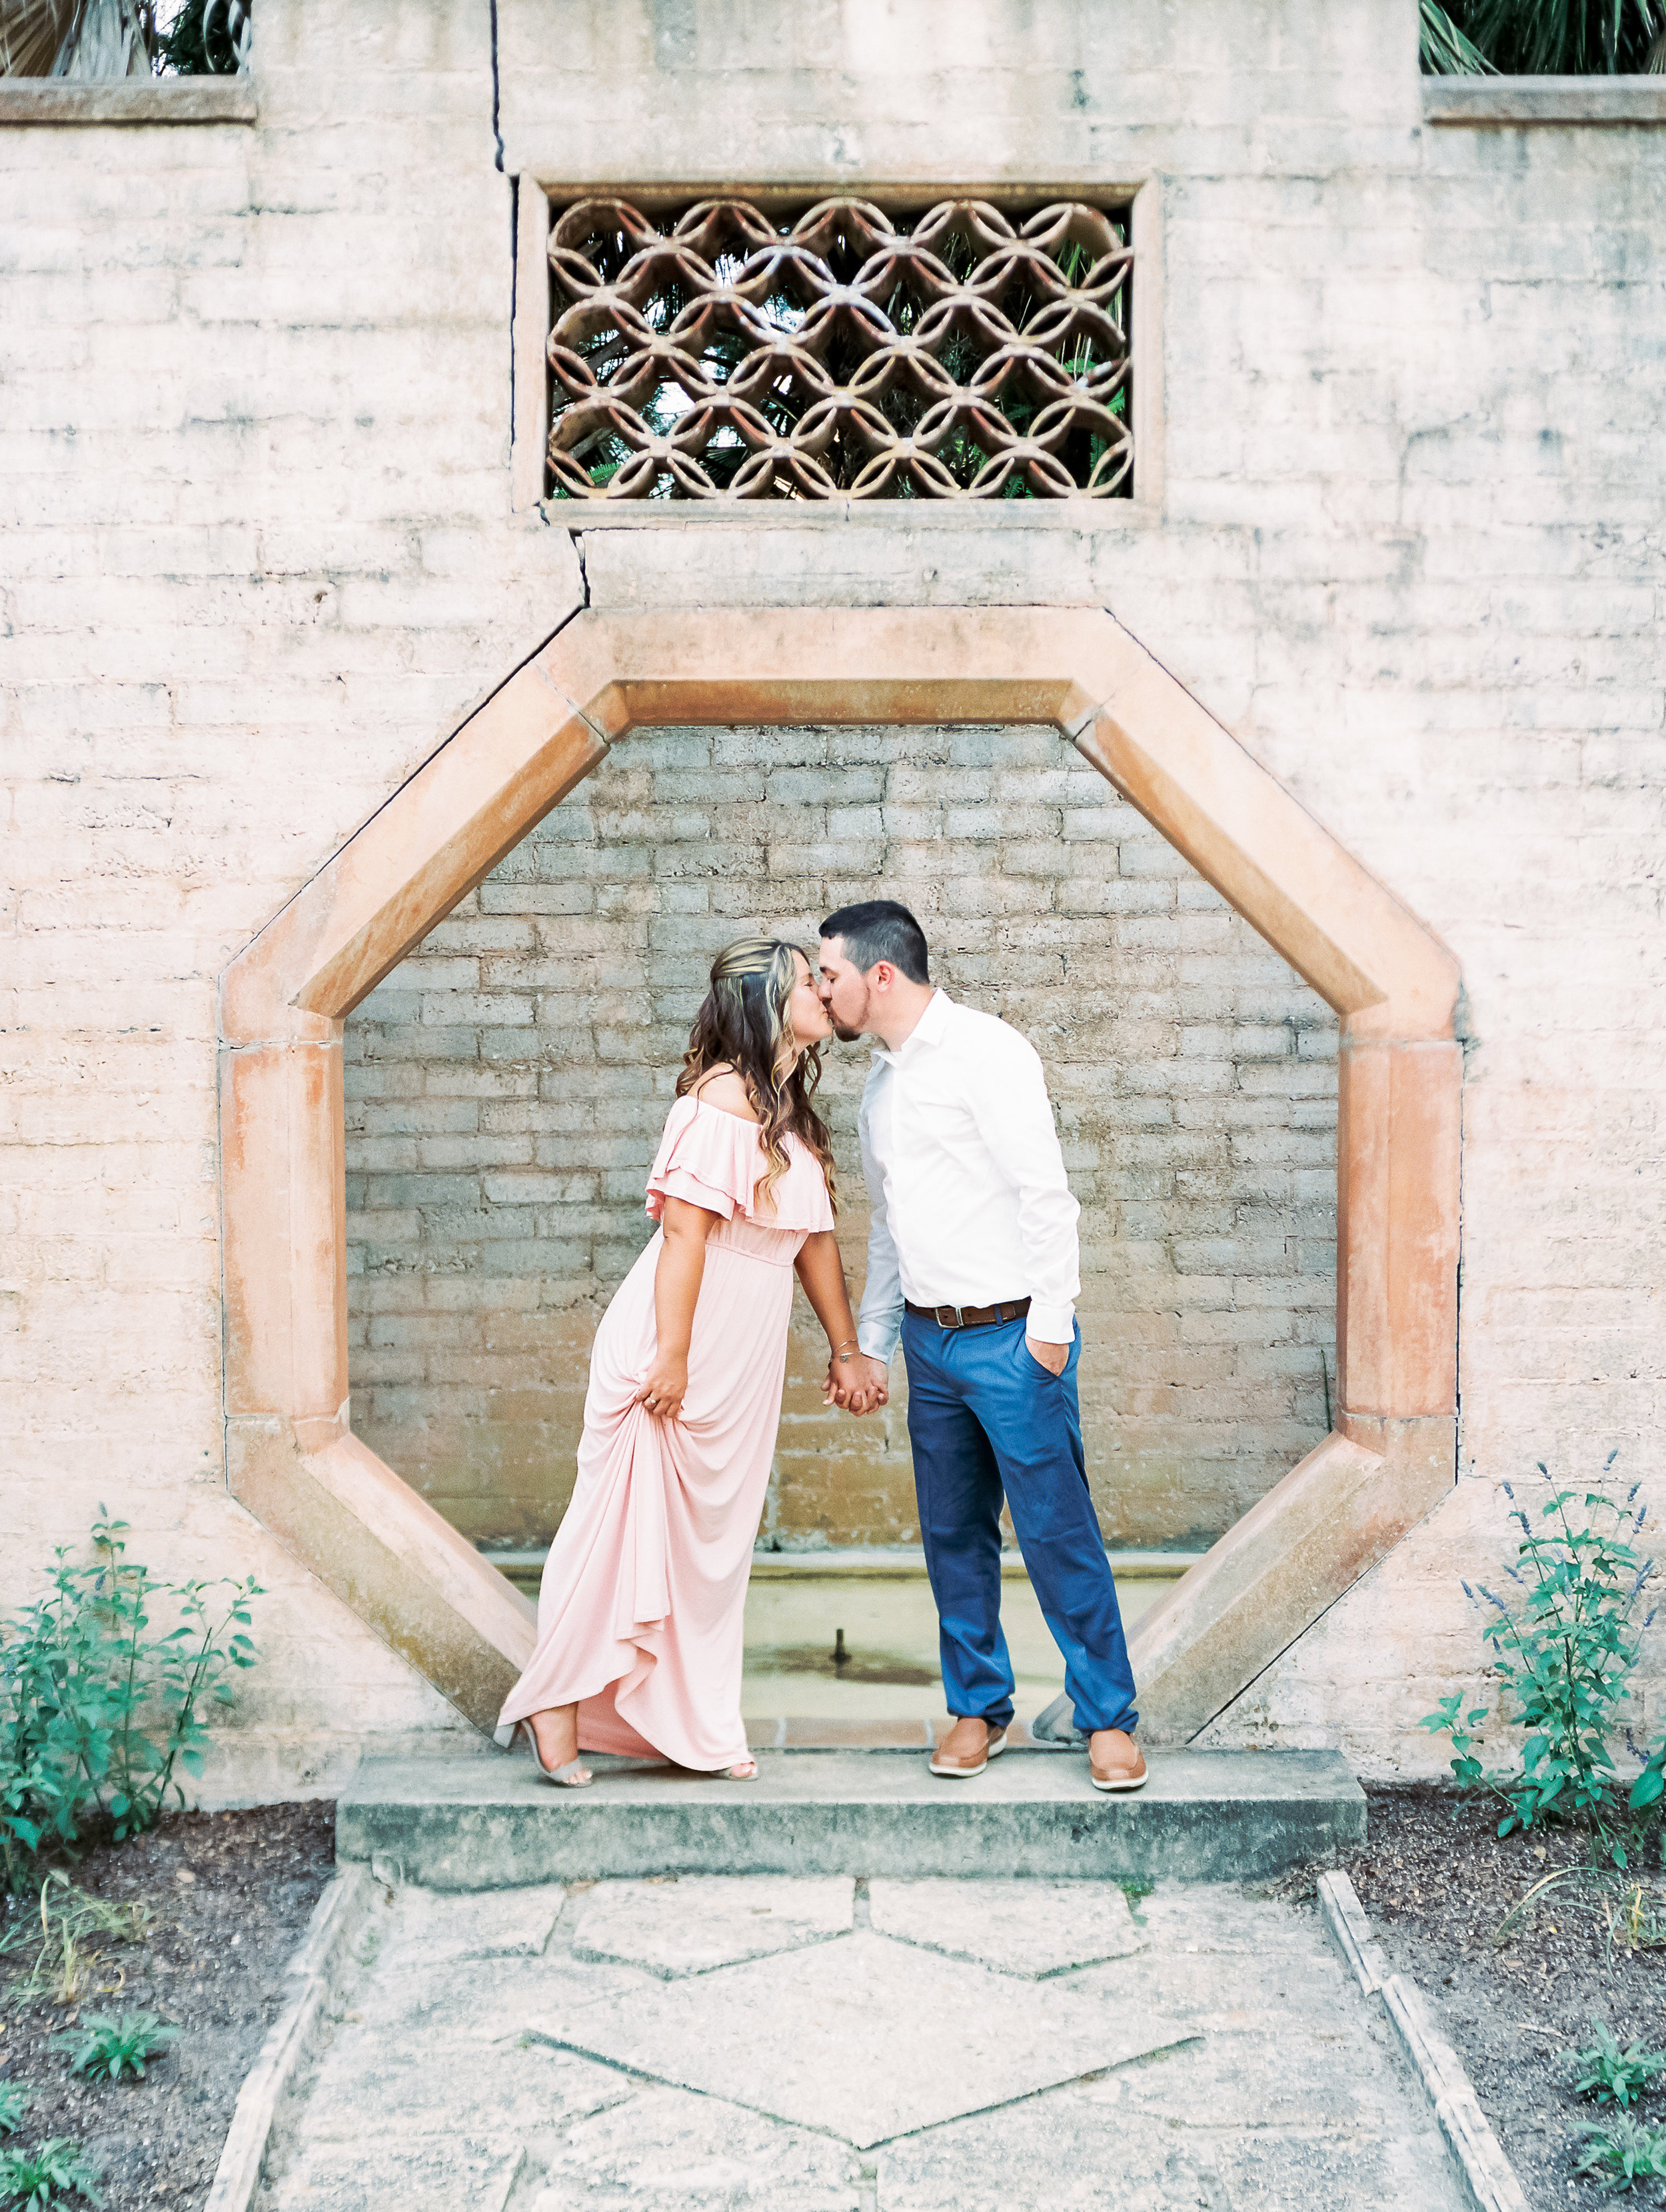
pixel 291 1455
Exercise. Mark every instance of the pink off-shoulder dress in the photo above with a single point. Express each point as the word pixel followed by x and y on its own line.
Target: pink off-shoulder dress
pixel 640 1611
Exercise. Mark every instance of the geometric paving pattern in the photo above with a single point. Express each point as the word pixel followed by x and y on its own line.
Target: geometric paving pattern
pixel 866 2039
pixel 484 2062
pixel 1035 1929
pixel 514 1924
pixel 690 1924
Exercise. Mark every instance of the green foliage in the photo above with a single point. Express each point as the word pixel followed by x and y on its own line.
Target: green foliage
pixel 1446 1720
pixel 97 1710
pixel 1610 2076
pixel 1563 1651
pixel 1567 38
pixel 1647 1788
pixel 33 2180
pixel 1621 2152
pixel 104 2047
pixel 179 48
pixel 187 45
pixel 34 1803
pixel 1441 47
pixel 15 2101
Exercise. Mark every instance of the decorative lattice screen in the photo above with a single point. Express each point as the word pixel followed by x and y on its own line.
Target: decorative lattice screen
pixel 847 352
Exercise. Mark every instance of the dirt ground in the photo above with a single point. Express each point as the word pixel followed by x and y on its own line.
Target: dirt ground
pixel 1518 1944
pixel 1439 1887
pixel 229 1894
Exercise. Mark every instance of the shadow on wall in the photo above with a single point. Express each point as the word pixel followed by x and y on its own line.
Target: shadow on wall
pixel 506 1086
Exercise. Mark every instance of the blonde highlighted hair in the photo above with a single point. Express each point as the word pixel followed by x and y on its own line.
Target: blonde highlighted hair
pixel 744 1023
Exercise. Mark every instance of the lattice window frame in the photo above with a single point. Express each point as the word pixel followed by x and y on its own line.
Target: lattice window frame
pixel 1136 205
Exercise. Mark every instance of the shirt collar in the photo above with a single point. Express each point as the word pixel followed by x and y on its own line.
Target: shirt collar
pixel 927 1032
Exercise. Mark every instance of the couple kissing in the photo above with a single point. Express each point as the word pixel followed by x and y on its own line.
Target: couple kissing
pixel 971 1264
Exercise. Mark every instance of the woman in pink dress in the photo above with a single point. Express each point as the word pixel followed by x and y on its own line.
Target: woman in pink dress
pixel 639 1615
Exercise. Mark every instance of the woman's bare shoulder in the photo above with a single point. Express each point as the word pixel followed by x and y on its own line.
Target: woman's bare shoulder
pixel 722 1088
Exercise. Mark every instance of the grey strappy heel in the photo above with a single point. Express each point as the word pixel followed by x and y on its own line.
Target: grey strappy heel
pixel 574 1775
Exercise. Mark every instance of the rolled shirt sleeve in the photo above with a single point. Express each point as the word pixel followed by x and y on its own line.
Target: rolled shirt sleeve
pixel 879 1323
pixel 1015 1120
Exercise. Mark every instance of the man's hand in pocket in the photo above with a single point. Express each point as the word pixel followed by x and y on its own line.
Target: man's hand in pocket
pixel 1052 1357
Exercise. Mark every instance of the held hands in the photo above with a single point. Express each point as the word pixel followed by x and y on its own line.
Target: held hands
pixel 855 1382
pixel 1052 1357
pixel 665 1386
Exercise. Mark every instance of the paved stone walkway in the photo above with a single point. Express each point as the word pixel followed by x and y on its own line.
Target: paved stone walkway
pixel 823 2045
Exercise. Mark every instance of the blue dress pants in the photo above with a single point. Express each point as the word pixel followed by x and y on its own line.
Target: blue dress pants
pixel 985 1417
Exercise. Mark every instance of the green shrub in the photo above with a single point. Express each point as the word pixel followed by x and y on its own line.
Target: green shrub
pixel 33 2180
pixel 1610 2076
pixel 1621 2152
pixel 1562 1652
pixel 105 2047
pixel 15 2101
pixel 97 1710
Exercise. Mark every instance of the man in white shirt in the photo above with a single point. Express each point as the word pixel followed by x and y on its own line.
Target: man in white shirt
pixel 972 1259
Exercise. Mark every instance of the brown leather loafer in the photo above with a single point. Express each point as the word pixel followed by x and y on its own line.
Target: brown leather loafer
pixel 1114 1760
pixel 960 1762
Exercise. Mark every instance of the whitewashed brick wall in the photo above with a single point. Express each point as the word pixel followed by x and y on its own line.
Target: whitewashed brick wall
pixel 258 558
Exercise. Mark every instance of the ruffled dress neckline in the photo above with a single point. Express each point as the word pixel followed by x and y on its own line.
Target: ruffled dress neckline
pixel 715 1160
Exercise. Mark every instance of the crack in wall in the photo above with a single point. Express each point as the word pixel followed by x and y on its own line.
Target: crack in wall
pixel 514 277
pixel 498 134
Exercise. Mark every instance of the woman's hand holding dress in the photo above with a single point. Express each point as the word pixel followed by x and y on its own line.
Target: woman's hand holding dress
pixel 677 1280
pixel 665 1386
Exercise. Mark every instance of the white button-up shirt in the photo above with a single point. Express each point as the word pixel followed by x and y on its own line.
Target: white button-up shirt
pixel 970 1203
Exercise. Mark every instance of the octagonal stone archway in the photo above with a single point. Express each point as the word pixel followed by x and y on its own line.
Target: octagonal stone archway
pixel 291 1456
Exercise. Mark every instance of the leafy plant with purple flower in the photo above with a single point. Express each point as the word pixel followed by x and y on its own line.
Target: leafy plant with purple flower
pixel 1563 1651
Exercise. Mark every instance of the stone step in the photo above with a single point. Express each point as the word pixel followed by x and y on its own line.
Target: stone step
pixel 486 1821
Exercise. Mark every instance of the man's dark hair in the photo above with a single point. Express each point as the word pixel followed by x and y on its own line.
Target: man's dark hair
pixel 880 929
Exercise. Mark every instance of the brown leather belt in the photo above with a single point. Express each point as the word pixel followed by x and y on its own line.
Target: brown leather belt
pixel 970 1317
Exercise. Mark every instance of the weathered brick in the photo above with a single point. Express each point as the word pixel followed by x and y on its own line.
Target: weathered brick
pixel 1136 1018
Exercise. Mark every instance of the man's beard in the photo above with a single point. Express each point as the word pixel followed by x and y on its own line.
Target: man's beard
pixel 845 1035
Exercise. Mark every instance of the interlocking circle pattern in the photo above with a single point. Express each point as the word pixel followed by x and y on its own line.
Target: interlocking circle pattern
pixel 850 354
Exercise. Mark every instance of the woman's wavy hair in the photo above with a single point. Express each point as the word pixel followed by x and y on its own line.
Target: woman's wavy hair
pixel 744 1024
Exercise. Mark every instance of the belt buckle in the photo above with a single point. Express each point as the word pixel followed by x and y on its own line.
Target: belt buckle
pixel 957 1323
